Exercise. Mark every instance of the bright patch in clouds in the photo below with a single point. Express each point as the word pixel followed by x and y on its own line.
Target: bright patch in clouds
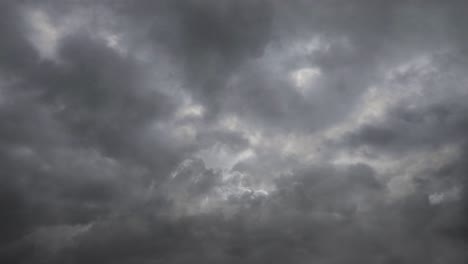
pixel 452 194
pixel 222 157
pixel 190 111
pixel 305 78
pixel 44 35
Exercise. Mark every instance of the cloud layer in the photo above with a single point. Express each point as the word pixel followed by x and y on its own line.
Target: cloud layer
pixel 233 132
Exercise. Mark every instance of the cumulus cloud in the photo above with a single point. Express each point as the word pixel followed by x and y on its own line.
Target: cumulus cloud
pixel 233 131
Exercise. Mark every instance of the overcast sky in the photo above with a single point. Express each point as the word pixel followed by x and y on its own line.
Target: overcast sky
pixel 234 131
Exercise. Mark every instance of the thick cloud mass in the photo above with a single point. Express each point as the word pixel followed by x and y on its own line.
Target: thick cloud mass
pixel 233 131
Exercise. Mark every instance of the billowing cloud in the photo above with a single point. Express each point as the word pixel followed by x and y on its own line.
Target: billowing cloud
pixel 233 132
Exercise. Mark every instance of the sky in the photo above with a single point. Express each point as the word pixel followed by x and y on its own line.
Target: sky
pixel 234 131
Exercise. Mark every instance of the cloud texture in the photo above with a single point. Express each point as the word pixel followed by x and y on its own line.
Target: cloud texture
pixel 222 131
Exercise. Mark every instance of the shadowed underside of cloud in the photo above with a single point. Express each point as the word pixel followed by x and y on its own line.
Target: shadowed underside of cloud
pixel 233 132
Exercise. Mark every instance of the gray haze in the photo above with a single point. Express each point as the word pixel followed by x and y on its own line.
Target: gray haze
pixel 234 131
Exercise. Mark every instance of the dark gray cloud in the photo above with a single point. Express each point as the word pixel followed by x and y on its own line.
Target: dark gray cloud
pixel 233 131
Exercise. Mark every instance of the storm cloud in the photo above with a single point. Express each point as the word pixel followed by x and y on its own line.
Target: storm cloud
pixel 248 131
